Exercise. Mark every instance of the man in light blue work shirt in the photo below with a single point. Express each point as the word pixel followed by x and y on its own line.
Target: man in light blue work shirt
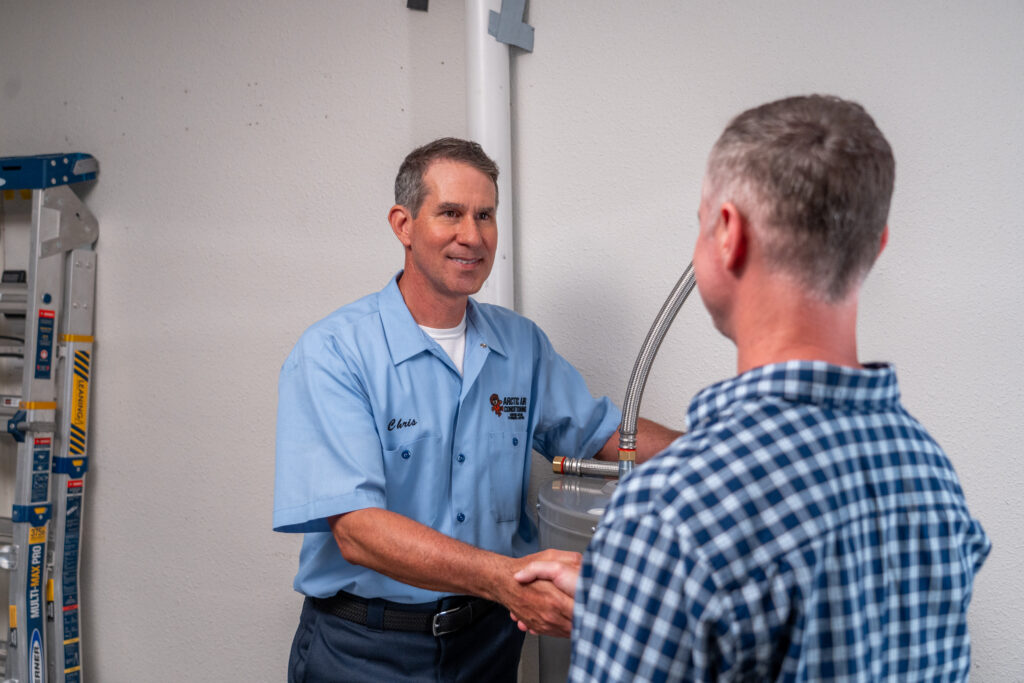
pixel 405 424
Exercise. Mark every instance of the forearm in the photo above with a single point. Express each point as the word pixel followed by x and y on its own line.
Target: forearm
pixel 412 553
pixel 651 439
pixel 415 554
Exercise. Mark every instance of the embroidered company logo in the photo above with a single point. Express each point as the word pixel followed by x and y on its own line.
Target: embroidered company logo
pixel 513 406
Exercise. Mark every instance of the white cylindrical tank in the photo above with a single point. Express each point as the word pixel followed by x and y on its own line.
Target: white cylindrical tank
pixel 568 511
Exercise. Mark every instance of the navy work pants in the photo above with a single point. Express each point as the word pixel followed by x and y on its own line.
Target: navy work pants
pixel 327 648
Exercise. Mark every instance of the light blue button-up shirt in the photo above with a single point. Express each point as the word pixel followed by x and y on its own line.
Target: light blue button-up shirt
pixel 373 414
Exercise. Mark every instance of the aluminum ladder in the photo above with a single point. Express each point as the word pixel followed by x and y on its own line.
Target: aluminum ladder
pixel 41 541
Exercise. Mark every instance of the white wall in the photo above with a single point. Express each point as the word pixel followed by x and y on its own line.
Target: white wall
pixel 247 153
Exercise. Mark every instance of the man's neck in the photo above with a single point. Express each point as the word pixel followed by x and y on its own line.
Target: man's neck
pixel 781 323
pixel 429 308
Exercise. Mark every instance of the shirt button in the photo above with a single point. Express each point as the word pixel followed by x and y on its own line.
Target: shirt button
pixel 515 441
pixel 460 517
pixel 405 455
pixel 461 458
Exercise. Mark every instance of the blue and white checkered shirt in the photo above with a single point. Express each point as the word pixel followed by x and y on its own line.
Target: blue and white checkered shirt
pixel 806 528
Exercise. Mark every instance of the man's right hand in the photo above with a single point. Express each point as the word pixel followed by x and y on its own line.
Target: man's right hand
pixel 543 607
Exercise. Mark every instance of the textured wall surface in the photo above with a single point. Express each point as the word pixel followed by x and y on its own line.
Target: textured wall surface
pixel 247 154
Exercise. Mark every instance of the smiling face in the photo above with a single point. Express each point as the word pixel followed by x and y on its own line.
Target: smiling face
pixel 449 243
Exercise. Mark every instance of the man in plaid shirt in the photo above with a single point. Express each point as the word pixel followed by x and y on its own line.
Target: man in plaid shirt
pixel 806 527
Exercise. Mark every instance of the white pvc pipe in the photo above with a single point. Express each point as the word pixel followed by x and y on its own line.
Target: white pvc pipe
pixel 489 119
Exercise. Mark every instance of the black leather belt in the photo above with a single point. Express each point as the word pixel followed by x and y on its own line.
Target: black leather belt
pixel 393 616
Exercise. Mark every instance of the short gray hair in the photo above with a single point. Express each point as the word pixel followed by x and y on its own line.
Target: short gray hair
pixel 410 190
pixel 817 175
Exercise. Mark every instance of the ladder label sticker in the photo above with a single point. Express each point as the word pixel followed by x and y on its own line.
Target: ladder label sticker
pixel 79 403
pixel 40 487
pixel 70 626
pixel 72 649
pixel 41 471
pixel 72 659
pixel 34 601
pixel 44 343
pixel 36 675
pixel 69 567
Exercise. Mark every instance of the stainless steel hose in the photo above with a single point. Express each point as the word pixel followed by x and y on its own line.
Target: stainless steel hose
pixel 642 367
pixel 635 387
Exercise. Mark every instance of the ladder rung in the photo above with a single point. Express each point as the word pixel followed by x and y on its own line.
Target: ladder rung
pixel 7 552
pixel 12 307
pixel 13 297
pixel 9 405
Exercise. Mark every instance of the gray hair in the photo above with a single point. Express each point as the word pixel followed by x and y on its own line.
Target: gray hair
pixel 817 176
pixel 410 190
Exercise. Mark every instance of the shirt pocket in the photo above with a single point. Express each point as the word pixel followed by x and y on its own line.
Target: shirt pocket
pixel 415 476
pixel 506 455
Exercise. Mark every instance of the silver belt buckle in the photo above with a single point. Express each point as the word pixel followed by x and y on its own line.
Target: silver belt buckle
pixel 435 627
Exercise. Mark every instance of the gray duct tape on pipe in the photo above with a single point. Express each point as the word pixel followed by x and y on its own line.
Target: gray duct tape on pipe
pixel 508 26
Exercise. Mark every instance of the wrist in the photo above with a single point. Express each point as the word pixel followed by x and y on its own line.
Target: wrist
pixel 492 577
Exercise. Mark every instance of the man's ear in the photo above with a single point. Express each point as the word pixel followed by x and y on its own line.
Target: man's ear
pixel 401 223
pixel 884 241
pixel 731 235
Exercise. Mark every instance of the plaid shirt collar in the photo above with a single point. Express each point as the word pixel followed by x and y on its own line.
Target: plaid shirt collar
pixel 833 387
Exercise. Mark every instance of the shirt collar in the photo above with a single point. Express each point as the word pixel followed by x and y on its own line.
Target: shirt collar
pixel 405 338
pixel 835 387
pixel 478 320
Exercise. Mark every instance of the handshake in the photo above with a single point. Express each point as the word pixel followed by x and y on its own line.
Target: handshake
pixel 542 595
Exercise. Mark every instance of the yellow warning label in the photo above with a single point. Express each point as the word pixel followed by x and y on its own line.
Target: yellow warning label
pixel 37 534
pixel 9 195
pixel 12 616
pixel 79 401
pixel 49 590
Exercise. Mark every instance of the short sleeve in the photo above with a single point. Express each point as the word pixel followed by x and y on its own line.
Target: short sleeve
pixel 571 422
pixel 328 453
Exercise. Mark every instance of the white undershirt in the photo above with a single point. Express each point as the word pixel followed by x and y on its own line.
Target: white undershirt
pixel 452 340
